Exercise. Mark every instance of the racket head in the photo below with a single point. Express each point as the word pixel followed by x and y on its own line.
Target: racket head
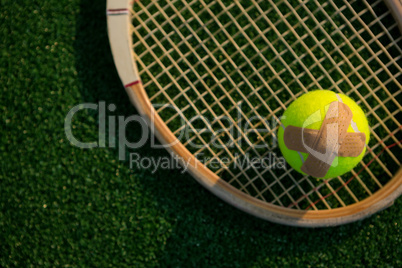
pixel 221 182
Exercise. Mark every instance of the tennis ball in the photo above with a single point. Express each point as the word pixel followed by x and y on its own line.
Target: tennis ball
pixel 307 106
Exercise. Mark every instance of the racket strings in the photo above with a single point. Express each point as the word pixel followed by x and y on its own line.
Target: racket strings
pixel 363 81
pixel 233 159
pixel 329 186
pixel 246 62
pixel 240 111
pixel 244 173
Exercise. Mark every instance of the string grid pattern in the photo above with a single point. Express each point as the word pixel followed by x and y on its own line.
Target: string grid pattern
pixel 221 73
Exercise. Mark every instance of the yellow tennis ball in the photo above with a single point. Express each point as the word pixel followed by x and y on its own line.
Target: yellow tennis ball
pixel 306 107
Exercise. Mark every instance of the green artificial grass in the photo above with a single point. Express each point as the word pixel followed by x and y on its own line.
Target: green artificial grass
pixel 65 206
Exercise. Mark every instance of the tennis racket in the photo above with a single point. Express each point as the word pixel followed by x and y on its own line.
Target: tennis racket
pixel 214 77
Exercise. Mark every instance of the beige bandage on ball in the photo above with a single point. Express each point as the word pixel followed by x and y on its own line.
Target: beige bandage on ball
pixel 331 140
pixel 299 139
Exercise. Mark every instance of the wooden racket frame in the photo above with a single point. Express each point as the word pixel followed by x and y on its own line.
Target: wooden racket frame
pixel 121 45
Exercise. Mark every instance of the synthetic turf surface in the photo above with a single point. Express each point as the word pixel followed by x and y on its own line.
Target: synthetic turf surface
pixel 61 205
